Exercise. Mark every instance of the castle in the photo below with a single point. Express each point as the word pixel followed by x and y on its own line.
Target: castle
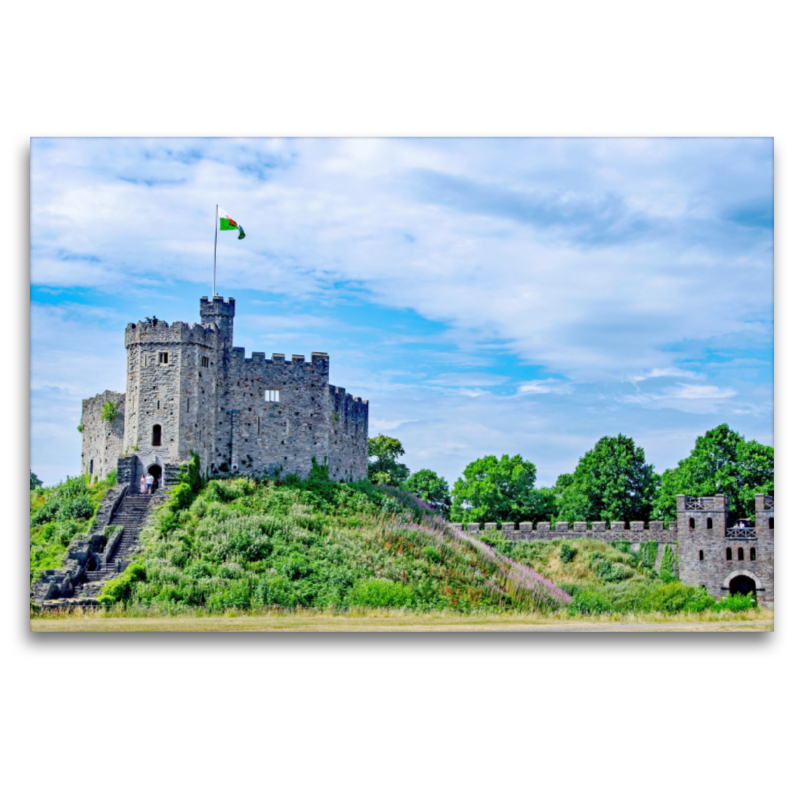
pixel 190 390
pixel 710 548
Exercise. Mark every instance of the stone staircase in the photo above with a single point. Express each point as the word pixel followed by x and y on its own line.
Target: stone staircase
pixel 131 516
pixel 79 585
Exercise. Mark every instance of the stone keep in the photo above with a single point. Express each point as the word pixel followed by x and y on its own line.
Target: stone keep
pixel 189 389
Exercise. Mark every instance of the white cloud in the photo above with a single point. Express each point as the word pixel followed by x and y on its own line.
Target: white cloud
pixel 697 392
pixel 548 386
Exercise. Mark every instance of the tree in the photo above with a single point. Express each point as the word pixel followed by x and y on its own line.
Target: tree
pixel 611 482
pixel 428 486
pixel 498 490
pixel 35 482
pixel 385 468
pixel 722 462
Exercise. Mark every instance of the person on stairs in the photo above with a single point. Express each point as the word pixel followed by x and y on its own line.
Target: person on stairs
pixel 149 483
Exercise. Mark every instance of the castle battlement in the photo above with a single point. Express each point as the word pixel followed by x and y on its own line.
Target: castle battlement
pixel 634 532
pixel 218 305
pixel 161 332
pixel 319 363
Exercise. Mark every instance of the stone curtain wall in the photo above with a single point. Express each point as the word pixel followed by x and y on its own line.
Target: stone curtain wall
pixel 102 442
pixel 266 435
pixel 637 534
pixel 715 570
pixel 348 436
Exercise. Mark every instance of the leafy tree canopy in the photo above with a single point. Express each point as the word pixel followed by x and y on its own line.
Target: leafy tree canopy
pixel 722 462
pixel 35 482
pixel 611 482
pixel 428 486
pixel 498 490
pixel 385 469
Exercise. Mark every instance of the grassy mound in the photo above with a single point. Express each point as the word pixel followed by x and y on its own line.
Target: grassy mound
pixel 59 514
pixel 604 577
pixel 240 543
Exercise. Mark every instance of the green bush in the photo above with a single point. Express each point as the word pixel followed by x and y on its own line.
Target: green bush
pixel 567 553
pixel 109 412
pixel 666 570
pixel 736 602
pixel 433 554
pixel 590 602
pixel 381 594
pixel 118 590
pixel 69 500
pixel 648 553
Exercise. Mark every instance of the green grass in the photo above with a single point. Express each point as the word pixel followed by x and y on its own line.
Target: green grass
pixel 240 543
pixel 58 514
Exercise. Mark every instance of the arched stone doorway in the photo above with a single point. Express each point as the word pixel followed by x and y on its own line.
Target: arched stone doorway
pixel 742 584
pixel 155 471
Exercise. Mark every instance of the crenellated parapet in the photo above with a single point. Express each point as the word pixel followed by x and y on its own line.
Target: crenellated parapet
pixel 545 531
pixel 162 333
pixel 273 367
pixel 346 406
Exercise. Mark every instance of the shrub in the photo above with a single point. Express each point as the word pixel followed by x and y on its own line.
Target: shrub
pixel 318 472
pixel 590 602
pixel 381 594
pixel 433 554
pixel 118 590
pixel 736 602
pixel 190 474
pixel 666 571
pixel 109 412
pixel 699 601
pixel 648 553
pixel 567 553
pixel 69 500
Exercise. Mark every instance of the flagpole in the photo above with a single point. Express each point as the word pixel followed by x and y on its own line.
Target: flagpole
pixel 214 280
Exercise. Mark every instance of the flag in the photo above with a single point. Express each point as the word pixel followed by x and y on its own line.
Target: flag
pixel 227 223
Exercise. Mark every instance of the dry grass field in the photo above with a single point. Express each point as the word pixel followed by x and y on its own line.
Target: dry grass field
pixel 385 621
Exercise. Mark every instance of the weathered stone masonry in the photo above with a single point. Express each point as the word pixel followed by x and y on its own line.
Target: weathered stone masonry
pixel 713 550
pixel 189 389
pixel 102 440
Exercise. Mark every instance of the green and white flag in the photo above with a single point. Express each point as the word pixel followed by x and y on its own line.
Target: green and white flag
pixel 227 223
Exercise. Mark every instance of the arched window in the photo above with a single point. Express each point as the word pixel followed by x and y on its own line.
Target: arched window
pixel 709 523
pixel 701 555
pixel 728 554
pixel 771 523
pixel 691 522
pixel 156 436
pixel 752 554
pixel 740 554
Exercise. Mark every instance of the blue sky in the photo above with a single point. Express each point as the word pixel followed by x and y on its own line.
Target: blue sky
pixel 485 295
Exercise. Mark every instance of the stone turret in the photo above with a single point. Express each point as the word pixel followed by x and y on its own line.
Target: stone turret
pixel 222 313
